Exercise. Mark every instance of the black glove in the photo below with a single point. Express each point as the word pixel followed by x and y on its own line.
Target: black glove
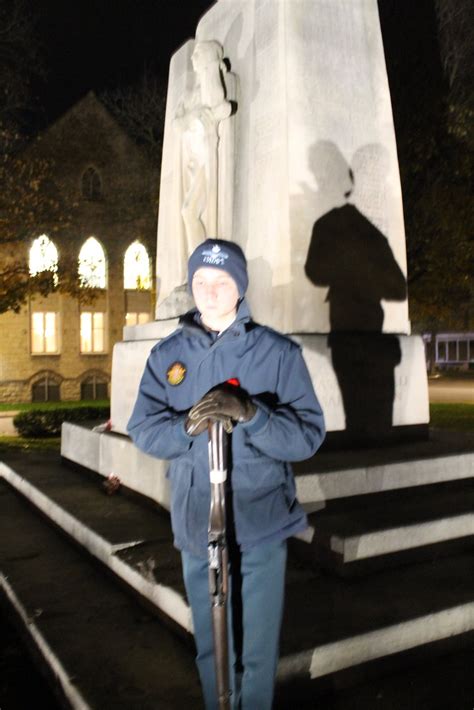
pixel 197 425
pixel 224 403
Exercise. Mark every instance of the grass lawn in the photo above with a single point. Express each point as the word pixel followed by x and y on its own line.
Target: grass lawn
pixel 29 406
pixel 457 417
pixel 18 443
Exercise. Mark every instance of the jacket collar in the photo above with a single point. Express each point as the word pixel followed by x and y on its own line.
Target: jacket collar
pixel 192 325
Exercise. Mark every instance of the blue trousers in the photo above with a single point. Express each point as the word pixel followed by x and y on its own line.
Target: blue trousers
pixel 257 580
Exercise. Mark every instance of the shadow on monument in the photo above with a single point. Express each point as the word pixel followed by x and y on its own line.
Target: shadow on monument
pixel 350 255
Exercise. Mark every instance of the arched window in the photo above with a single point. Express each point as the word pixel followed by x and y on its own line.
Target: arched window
pixel 94 386
pixel 92 267
pixel 136 267
pixel 43 257
pixel 91 184
pixel 45 388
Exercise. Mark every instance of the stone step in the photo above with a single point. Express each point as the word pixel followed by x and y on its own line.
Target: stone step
pixel 332 475
pixel 108 527
pixel 329 475
pixel 369 532
pixel 330 624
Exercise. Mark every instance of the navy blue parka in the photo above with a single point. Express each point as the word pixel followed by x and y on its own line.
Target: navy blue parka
pixel 288 426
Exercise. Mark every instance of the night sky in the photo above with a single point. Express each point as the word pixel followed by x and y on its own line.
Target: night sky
pixel 97 44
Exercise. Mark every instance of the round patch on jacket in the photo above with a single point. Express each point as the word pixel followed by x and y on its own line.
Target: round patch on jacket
pixel 176 373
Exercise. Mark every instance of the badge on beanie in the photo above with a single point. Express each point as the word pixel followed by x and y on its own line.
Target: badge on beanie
pixel 176 373
pixel 214 256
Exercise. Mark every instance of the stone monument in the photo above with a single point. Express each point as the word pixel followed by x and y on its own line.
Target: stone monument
pixel 279 135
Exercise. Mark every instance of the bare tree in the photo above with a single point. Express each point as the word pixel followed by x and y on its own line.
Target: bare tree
pixel 30 202
pixel 21 60
pixel 140 110
pixel 456 24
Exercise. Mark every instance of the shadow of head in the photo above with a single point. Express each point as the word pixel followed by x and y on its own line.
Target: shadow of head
pixel 331 170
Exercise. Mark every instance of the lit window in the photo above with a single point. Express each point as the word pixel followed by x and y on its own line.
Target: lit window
pixel 92 270
pixel 91 184
pixel 94 387
pixel 45 390
pixel 136 318
pixel 137 267
pixel 92 332
pixel 44 332
pixel 43 257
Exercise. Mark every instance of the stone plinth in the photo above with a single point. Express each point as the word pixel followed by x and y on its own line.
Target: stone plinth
pixel 407 405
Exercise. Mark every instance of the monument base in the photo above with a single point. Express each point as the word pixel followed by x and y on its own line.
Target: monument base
pixel 373 388
pixel 340 440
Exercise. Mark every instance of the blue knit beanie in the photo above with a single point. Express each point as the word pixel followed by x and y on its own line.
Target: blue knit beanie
pixel 220 254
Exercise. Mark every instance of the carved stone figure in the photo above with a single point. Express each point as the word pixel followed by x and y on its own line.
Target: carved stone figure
pixel 198 177
pixel 198 120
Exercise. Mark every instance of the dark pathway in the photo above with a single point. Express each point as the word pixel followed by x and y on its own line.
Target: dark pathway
pixel 21 684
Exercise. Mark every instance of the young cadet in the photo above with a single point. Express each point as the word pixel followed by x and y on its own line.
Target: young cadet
pixel 275 418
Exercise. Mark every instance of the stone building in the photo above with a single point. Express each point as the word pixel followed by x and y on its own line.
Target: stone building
pixel 60 347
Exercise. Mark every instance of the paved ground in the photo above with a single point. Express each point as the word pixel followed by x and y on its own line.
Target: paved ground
pixel 451 390
pixel 6 423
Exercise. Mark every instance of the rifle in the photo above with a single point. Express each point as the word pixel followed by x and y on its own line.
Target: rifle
pixel 218 558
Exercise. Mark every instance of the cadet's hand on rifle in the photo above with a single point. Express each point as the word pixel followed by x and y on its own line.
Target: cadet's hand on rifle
pixel 225 404
pixel 197 424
